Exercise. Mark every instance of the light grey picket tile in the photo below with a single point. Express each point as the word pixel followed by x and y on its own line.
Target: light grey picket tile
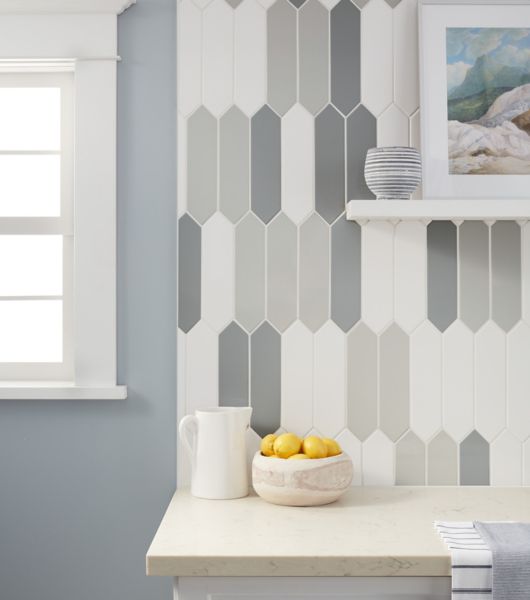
pixel 442 461
pixel 474 278
pixel 313 35
pixel 345 53
pixel 360 137
pixel 345 273
pixel 394 382
pixel 281 56
pixel 362 381
pixel 506 273
pixel 281 272
pixel 393 3
pixel 297 3
pixel 189 275
pixel 233 366
pixel 202 165
pixel 234 152
pixel 474 460
pixel 250 272
pixel 410 460
pixel 265 164
pixel 314 272
pixel 265 379
pixel 329 164
pixel 235 3
pixel 442 273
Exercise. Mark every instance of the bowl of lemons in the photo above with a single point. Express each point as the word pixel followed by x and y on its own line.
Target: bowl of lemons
pixel 292 471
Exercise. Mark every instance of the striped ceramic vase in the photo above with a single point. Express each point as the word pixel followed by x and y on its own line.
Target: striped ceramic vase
pixel 393 173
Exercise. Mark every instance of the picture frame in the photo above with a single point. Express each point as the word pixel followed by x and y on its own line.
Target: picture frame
pixel 474 66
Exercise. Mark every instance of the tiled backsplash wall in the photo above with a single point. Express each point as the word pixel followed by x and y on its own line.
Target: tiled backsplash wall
pixel 408 342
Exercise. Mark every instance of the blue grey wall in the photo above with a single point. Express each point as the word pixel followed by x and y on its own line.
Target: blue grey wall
pixel 83 485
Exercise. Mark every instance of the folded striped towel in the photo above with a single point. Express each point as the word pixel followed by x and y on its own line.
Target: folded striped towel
pixel 471 560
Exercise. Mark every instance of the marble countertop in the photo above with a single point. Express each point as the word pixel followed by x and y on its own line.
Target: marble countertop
pixel 370 531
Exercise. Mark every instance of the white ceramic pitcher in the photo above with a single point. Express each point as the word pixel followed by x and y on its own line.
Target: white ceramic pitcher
pixel 215 439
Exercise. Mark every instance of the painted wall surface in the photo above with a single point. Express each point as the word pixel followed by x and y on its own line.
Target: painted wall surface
pixel 83 485
pixel 408 342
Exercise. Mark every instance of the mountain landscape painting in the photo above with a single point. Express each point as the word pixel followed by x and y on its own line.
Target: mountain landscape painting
pixel 488 100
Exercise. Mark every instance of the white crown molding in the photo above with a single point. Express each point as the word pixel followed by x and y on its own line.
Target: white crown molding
pixel 27 7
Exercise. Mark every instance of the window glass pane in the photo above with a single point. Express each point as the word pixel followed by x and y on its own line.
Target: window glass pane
pixel 32 331
pixel 30 186
pixel 30 118
pixel 31 265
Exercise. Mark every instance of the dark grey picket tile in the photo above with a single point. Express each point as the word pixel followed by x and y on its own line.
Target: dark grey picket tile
pixel 442 273
pixel 265 379
pixel 189 273
pixel 345 53
pixel 233 366
pixel 265 164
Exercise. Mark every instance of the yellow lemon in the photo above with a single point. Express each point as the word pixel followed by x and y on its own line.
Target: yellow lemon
pixel 314 447
pixel 298 457
pixel 286 445
pixel 332 446
pixel 266 445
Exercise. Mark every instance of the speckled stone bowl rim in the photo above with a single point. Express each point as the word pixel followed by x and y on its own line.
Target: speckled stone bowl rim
pixel 288 466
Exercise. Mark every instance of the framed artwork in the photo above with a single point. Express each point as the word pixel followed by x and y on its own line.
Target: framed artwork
pixel 475 98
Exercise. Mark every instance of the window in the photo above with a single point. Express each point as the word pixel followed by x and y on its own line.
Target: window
pixel 36 226
pixel 58 66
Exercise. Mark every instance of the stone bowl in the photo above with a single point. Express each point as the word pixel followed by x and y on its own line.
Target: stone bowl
pixel 301 482
pixel 393 172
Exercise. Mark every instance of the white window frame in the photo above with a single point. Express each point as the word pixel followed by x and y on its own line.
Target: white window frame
pixel 78 35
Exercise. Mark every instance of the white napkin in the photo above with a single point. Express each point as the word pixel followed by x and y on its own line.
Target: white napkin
pixel 471 560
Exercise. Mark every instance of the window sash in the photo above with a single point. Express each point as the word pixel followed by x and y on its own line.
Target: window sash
pixel 61 225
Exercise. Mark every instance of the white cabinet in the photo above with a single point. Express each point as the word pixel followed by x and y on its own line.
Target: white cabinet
pixel 312 588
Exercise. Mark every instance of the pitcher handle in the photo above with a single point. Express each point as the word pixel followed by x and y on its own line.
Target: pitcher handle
pixel 188 425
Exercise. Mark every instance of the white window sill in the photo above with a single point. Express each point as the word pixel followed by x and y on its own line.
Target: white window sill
pixel 59 390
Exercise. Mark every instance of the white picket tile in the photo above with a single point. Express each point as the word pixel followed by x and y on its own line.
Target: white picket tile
pixel 352 446
pixel 518 380
pixel 458 381
pixel 506 456
pixel 329 4
pixel 410 274
pixel 329 412
pixel 525 253
pixel 297 379
pixel 266 3
pixel 425 380
pixel 378 460
pixel 393 127
pixel 202 368
pixel 218 56
pixel 490 381
pixel 415 142
pixel 376 56
pixel 377 274
pixel 182 162
pixel 298 163
pixel 406 68
pixel 526 462
pixel 202 3
pixel 183 461
pixel 189 56
pixel 250 56
pixel 218 272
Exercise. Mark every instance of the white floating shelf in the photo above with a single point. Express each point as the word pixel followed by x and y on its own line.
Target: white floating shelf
pixel 438 210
